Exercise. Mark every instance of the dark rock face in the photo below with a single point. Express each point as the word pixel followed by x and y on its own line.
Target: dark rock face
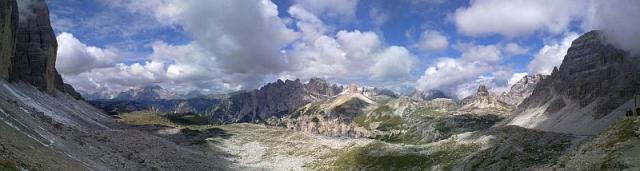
pixel 8 25
pixel 521 90
pixel 593 87
pixel 428 95
pixel 592 71
pixel 36 49
pixel 272 100
pixel 319 87
pixel 28 47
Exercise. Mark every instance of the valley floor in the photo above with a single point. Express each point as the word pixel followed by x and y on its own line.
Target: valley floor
pixel 256 147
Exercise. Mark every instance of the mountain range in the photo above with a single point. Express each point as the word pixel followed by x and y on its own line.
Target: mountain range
pixel 573 119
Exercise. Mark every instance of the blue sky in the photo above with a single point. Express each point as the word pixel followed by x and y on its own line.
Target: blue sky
pixel 225 45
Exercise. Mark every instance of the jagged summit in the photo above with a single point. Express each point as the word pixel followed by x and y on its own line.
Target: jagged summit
pixel 483 102
pixel 521 90
pixel 274 99
pixel 590 90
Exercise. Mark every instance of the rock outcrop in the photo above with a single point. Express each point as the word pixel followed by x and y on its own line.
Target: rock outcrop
pixel 8 25
pixel 320 88
pixel 484 102
pixel 593 87
pixel 521 90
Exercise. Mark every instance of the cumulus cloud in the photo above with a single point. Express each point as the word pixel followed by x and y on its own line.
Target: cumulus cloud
pixel 75 57
pixel 513 49
pixel 333 9
pixel 394 63
pixel 616 19
pixel 516 77
pixel 458 76
pixel 551 55
pixel 432 41
pixel 517 17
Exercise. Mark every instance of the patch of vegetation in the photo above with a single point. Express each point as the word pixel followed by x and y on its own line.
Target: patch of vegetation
pixel 384 109
pixel 380 156
pixel 187 119
pixel 387 121
pixel 144 118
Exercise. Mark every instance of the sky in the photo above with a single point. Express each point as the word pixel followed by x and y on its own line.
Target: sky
pixel 220 46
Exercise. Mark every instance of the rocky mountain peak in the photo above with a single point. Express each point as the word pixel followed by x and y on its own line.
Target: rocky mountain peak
pixel 483 102
pixel 320 87
pixel 352 89
pixel 482 91
pixel 582 95
pixel 521 89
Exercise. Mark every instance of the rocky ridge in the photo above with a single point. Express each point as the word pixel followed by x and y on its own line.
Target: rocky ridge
pixel 274 99
pixel 593 87
pixel 521 89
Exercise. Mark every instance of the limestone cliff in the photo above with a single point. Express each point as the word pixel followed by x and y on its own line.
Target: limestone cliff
pixel 521 90
pixel 8 25
pixel 274 99
pixel 36 48
pixel 593 87
pixel 484 102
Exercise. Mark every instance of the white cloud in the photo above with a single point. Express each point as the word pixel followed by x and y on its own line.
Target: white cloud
pixel 551 55
pixel 516 77
pixel 432 41
pixel 75 57
pixel 358 45
pixel 333 9
pixel 616 18
pixel 394 63
pixel 378 16
pixel 513 49
pixel 482 53
pixel 448 74
pixel 517 17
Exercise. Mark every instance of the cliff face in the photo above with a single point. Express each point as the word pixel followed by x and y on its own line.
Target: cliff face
pixel 8 25
pixel 484 102
pixel 36 48
pixel 28 47
pixel 593 87
pixel 521 90
pixel 272 100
